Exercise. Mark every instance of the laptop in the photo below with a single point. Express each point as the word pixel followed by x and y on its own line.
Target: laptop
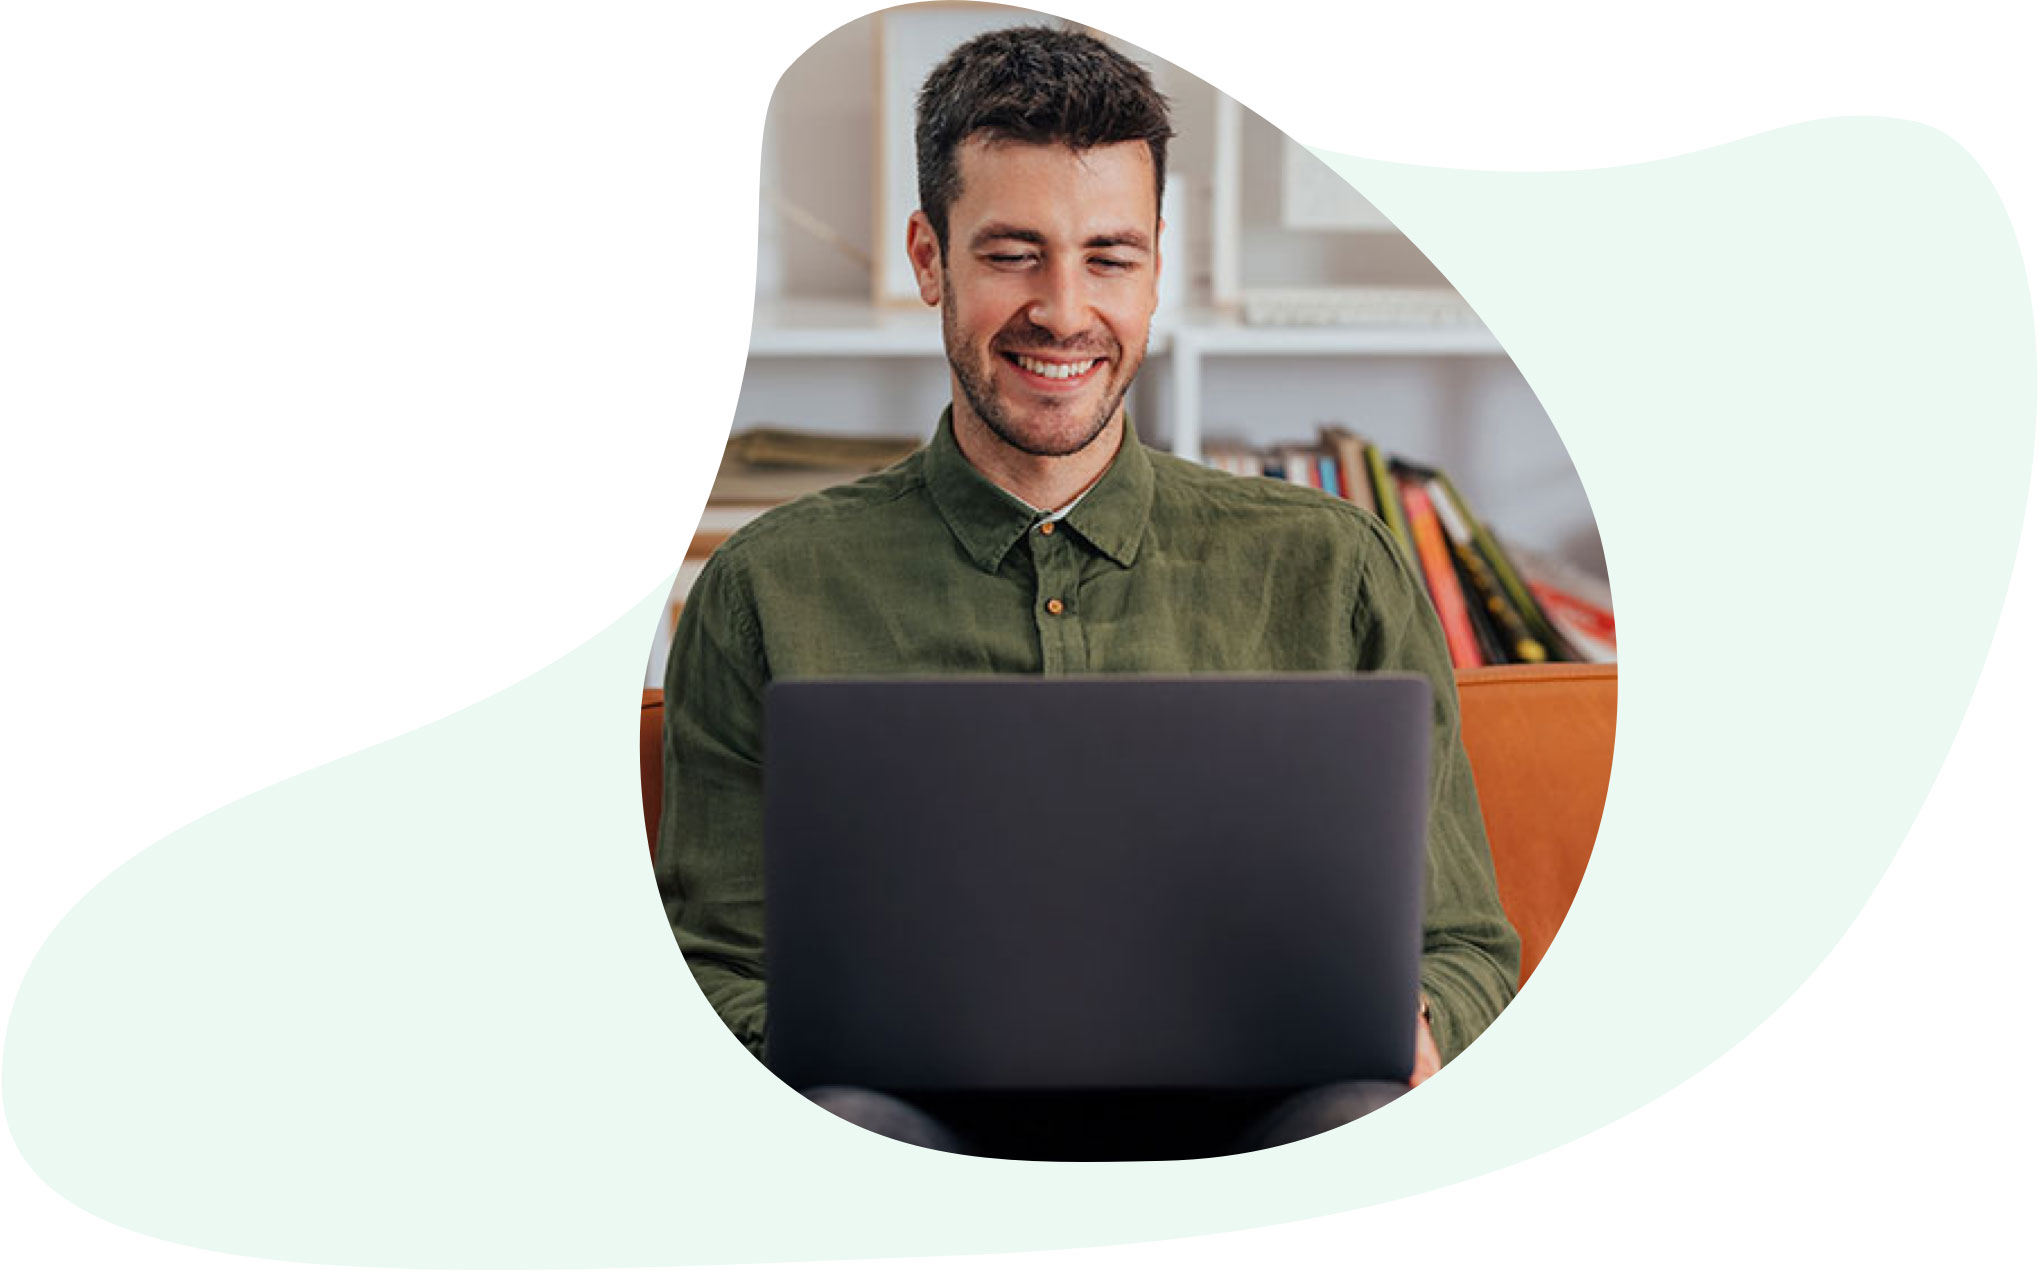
pixel 1008 883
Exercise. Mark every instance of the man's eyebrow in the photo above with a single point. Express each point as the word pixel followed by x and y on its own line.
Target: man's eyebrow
pixel 1007 233
pixel 1123 238
pixel 1128 238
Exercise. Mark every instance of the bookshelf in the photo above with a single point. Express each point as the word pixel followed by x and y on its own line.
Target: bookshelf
pixel 1182 351
pixel 1195 350
pixel 838 327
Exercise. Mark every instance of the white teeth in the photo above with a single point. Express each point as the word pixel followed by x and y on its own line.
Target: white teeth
pixel 1055 370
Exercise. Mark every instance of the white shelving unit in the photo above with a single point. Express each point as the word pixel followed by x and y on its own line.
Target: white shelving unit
pixel 845 329
pixel 1194 344
pixel 842 328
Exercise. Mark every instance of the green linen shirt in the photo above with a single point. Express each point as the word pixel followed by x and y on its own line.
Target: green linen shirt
pixel 1164 566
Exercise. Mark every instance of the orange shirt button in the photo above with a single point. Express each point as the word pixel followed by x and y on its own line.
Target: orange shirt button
pixel 1047 526
pixel 1054 607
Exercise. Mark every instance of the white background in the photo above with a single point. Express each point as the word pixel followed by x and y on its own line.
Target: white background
pixel 359 360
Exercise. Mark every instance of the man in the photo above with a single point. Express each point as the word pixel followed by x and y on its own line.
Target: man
pixel 1036 535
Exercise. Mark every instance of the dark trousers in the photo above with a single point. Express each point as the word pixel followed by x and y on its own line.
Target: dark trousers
pixel 1107 1126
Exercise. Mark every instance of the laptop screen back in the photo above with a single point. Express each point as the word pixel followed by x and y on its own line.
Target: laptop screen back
pixel 1121 882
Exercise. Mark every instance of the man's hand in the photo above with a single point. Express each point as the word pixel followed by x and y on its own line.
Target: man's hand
pixel 1427 1060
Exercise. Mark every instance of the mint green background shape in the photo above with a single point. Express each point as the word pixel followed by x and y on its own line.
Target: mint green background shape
pixel 419 1006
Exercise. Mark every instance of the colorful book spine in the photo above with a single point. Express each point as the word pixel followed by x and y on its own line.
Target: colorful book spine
pixel 1434 554
pixel 1232 457
pixel 1483 590
pixel 1299 467
pixel 1356 483
pixel 1388 495
pixel 1586 625
pixel 1504 572
pixel 1490 647
pixel 1327 473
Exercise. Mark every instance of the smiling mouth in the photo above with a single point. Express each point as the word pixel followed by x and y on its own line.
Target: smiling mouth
pixel 1054 372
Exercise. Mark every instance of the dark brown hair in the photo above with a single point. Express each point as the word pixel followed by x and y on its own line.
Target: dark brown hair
pixel 1036 84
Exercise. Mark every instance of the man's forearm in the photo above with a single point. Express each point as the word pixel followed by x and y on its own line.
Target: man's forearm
pixel 737 996
pixel 1467 987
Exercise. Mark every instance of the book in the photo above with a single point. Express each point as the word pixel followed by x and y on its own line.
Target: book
pixel 788 447
pixel 1298 467
pixel 1588 629
pixel 1488 547
pixel 1235 457
pixel 1579 605
pixel 762 467
pixel 1350 452
pixel 1490 646
pixel 1434 556
pixel 741 484
pixel 1388 498
pixel 1483 591
pixel 1328 478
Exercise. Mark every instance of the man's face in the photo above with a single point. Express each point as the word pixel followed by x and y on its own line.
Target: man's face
pixel 1049 287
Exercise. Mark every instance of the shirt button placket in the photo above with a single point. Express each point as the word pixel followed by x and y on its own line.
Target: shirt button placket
pixel 1054 614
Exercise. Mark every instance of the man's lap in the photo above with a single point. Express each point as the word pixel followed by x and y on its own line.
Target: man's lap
pixel 1162 1125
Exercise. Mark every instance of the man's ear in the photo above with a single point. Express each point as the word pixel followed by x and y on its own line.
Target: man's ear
pixel 924 250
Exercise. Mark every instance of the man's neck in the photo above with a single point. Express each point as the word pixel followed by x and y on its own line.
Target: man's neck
pixel 1040 481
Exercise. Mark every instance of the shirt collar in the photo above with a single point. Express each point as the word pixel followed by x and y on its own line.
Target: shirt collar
pixel 986 520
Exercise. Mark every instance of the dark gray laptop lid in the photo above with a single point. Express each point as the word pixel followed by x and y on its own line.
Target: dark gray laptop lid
pixel 1097 882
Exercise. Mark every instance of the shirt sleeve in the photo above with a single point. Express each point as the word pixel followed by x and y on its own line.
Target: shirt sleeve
pixel 710 834
pixel 1471 955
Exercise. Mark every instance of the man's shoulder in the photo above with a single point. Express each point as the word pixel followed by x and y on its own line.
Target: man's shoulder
pixel 822 518
pixel 1261 504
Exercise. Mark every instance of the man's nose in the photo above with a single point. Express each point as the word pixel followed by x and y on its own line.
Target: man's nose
pixel 1061 300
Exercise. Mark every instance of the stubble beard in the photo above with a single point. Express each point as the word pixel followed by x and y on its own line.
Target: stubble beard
pixel 983 400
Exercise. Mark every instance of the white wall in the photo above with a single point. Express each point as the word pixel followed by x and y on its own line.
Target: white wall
pixel 821 120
